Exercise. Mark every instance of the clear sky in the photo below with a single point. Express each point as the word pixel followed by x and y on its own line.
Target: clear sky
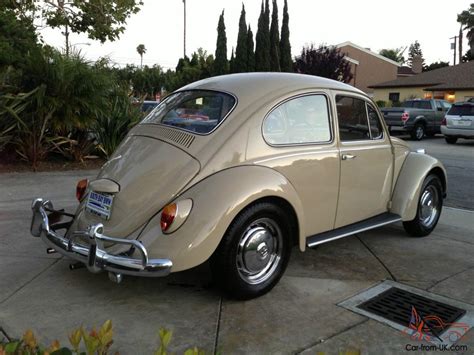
pixel 372 24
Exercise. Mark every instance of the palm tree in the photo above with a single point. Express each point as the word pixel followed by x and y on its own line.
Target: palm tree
pixel 141 50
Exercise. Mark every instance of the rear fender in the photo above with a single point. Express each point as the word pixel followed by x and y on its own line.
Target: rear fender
pixel 216 202
pixel 414 171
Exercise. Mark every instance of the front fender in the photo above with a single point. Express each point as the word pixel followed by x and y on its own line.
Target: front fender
pixel 410 180
pixel 216 202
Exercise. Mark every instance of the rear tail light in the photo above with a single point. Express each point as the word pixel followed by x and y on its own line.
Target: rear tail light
pixel 174 215
pixel 81 189
pixel 443 122
pixel 167 216
pixel 405 116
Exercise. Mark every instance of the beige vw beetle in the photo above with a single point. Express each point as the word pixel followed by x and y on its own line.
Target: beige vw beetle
pixel 237 169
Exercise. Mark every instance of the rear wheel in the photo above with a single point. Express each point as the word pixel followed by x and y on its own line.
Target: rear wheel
pixel 418 132
pixel 254 252
pixel 451 140
pixel 429 208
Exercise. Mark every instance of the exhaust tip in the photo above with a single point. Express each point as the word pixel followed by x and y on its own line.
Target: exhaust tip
pixel 115 277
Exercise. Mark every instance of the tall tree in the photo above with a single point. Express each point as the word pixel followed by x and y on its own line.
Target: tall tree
pixel 141 50
pixel 232 62
pixel 100 20
pixel 221 64
pixel 250 51
pixel 274 40
pixel 415 50
pixel 466 19
pixel 262 50
pixel 395 54
pixel 286 63
pixel 241 53
pixel 324 61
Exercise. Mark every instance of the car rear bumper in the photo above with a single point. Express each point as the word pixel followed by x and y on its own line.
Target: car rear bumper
pixel 93 256
pixel 456 132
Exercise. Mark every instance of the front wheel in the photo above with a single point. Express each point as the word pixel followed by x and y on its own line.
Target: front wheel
pixel 450 140
pixel 429 208
pixel 254 252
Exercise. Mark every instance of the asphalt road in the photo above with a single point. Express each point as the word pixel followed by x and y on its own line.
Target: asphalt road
pixel 458 160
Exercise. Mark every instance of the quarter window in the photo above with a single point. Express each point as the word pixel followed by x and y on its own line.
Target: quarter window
pixel 352 118
pixel 376 131
pixel 298 121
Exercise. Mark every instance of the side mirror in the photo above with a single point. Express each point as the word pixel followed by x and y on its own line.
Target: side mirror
pixel 440 109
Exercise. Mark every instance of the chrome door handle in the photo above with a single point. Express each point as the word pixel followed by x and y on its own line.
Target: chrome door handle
pixel 348 156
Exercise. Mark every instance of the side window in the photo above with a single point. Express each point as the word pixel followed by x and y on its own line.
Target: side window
pixel 301 120
pixel 352 118
pixel 446 105
pixel 376 130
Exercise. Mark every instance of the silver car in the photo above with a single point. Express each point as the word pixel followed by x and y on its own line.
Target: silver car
pixel 459 122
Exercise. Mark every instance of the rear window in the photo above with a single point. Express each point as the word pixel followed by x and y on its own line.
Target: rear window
pixel 423 104
pixel 197 111
pixel 461 110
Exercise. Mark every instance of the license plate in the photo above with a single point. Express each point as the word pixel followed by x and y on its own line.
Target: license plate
pixel 461 122
pixel 100 204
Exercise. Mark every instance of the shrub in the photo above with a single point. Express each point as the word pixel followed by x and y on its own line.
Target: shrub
pixel 381 103
pixel 93 342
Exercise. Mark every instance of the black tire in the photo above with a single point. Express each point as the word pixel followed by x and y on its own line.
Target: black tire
pixel 426 217
pixel 234 260
pixel 418 132
pixel 451 140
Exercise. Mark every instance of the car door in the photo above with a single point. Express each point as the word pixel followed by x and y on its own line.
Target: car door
pixel 301 145
pixel 438 116
pixel 366 160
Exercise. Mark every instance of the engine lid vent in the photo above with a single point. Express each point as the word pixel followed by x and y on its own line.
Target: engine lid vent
pixel 182 138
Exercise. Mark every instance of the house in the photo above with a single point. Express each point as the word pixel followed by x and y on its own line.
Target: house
pixel 368 68
pixel 454 83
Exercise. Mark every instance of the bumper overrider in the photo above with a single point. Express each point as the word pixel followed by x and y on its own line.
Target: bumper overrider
pixel 46 222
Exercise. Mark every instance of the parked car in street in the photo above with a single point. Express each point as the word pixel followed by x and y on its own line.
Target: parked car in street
pixel 459 122
pixel 417 117
pixel 236 170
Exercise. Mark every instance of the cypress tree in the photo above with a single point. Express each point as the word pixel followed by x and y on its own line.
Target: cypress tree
pixel 250 51
pixel 274 40
pixel 221 64
pixel 241 53
pixel 262 51
pixel 286 62
pixel 232 62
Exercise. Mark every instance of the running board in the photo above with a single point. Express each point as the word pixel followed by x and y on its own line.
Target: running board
pixel 365 225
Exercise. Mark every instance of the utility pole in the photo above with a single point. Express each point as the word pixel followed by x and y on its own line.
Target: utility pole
pixel 453 47
pixel 184 39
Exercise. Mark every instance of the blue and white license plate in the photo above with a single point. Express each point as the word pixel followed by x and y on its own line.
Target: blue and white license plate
pixel 100 204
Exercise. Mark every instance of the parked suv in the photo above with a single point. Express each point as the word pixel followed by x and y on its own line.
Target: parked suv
pixel 459 122
pixel 417 117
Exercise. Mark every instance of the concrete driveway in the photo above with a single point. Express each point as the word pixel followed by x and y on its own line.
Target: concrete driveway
pixel 300 315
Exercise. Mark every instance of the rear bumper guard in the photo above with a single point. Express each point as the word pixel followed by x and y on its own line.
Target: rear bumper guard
pixel 44 225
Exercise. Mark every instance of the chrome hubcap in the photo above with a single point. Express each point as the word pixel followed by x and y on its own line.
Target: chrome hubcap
pixel 259 251
pixel 429 208
pixel 419 132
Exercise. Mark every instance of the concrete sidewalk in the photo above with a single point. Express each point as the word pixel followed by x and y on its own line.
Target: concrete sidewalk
pixel 300 315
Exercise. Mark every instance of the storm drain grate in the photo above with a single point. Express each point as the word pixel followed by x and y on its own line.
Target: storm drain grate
pixel 400 306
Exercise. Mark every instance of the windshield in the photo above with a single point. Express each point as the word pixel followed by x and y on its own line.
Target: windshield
pixel 424 104
pixel 198 111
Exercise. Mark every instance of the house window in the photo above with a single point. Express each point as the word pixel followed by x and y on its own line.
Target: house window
pixel 394 96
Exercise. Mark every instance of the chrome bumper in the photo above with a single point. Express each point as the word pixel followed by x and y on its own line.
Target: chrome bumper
pixel 93 256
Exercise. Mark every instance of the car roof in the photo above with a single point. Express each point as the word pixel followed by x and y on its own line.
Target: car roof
pixel 267 83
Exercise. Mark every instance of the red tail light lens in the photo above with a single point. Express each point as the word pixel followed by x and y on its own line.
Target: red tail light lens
pixel 167 216
pixel 443 122
pixel 81 189
pixel 405 116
